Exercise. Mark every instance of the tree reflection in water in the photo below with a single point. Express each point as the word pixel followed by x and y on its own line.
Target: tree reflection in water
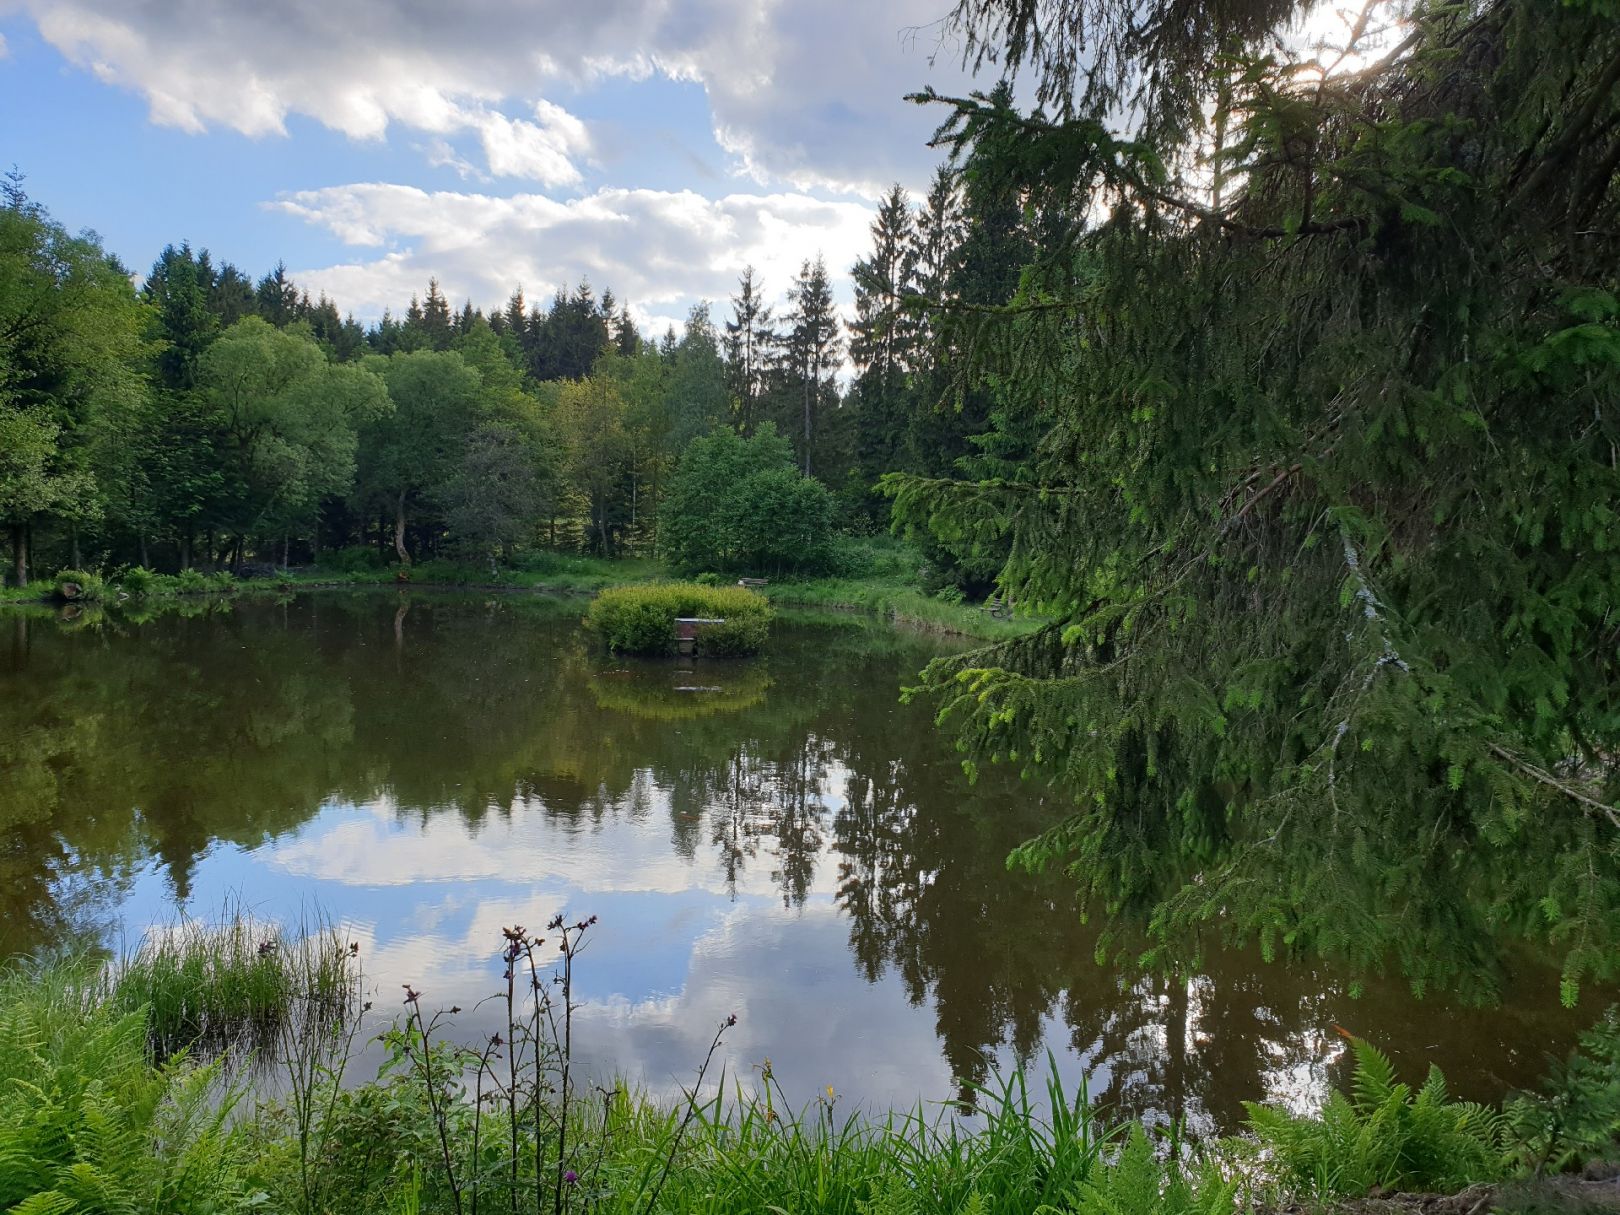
pixel 129 741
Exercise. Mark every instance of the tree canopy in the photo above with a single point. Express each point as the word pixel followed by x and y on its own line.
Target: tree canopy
pixel 1316 370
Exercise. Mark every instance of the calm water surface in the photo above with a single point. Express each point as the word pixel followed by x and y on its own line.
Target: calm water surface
pixel 782 839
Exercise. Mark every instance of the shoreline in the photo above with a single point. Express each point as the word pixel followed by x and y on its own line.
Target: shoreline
pixel 882 599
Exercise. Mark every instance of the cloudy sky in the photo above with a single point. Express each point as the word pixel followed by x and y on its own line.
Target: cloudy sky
pixel 654 146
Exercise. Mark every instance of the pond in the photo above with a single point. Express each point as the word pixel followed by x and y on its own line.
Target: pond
pixel 783 839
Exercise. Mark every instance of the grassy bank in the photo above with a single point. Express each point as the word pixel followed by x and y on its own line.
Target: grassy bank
pixel 895 600
pixel 94 1117
pixel 882 580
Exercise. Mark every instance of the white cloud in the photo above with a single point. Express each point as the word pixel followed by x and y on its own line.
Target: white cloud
pixel 543 151
pixel 660 250
pixel 4 49
pixel 799 93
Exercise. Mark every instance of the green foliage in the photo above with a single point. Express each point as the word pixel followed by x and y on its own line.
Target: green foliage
pixel 138 581
pixel 1575 1119
pixel 290 419
pixel 738 504
pixel 1145 1179
pixel 79 585
pixel 641 619
pixel 89 1124
pixel 195 582
pixel 1316 482
pixel 353 558
pixel 234 984
pixel 1382 1135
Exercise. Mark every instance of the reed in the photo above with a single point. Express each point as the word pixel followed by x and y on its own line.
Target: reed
pixel 233 984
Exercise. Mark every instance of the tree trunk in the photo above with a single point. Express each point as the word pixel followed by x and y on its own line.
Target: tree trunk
pixel 78 562
pixel 399 529
pixel 145 563
pixel 285 543
pixel 807 428
pixel 19 553
pixel 185 551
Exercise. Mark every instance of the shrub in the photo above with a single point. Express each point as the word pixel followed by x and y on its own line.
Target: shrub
pixel 1576 1118
pixel 139 581
pixel 352 560
pixel 641 619
pixel 1382 1134
pixel 441 572
pixel 190 582
pixel 78 585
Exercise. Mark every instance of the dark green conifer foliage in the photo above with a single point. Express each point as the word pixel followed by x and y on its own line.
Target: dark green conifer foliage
pixel 276 298
pixel 880 343
pixel 178 290
pixel 809 358
pixel 1322 498
pixel 436 324
pixel 750 350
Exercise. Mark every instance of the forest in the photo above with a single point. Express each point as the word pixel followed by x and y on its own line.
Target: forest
pixel 203 420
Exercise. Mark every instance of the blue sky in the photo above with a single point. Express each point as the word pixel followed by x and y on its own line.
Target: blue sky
pixel 654 146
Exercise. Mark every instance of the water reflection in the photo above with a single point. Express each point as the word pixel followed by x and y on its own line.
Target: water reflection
pixel 782 839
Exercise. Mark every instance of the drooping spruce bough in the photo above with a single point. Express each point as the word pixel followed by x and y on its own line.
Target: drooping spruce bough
pixel 1317 383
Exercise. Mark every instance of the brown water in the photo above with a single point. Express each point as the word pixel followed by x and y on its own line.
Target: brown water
pixel 782 839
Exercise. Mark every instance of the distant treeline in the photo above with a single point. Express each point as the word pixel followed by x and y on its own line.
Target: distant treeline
pixel 205 419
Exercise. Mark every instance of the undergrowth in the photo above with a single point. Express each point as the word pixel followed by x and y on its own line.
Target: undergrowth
pixel 117 1095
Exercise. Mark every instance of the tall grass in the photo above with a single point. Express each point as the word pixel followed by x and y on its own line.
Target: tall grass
pixel 900 602
pixel 236 984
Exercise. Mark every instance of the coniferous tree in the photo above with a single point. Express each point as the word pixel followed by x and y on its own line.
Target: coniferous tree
pixel 750 350
pixel 514 318
pixel 626 337
pixel 880 339
pixel 1306 467
pixel 696 389
pixel 276 298
pixel 810 351
pixel 231 296
pixel 436 324
pixel 935 258
pixel 413 329
pixel 178 290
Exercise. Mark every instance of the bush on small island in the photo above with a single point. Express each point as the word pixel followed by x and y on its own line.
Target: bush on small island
pixel 641 619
